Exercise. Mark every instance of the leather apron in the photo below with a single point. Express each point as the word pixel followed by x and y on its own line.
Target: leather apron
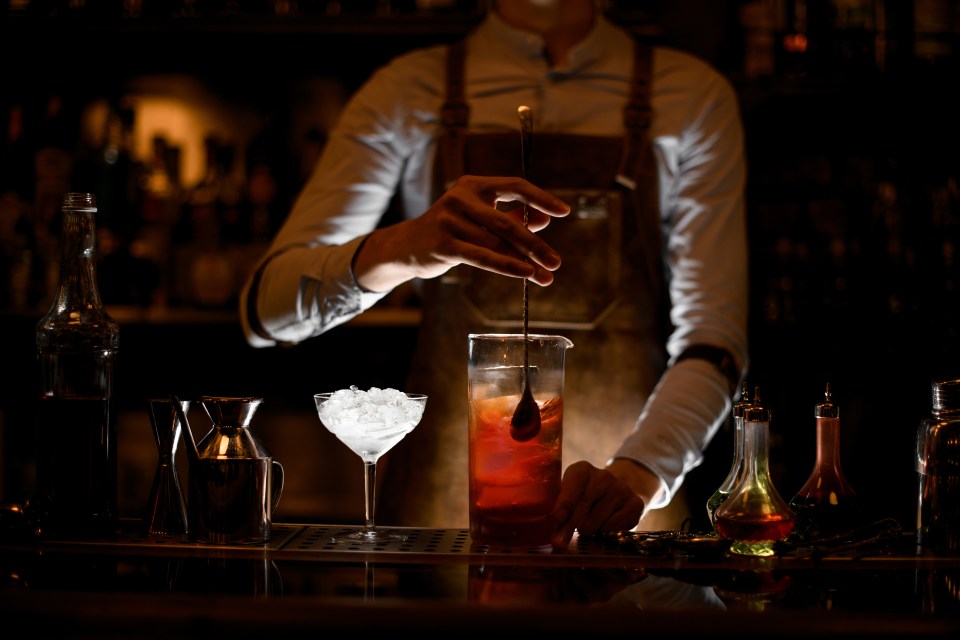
pixel 608 298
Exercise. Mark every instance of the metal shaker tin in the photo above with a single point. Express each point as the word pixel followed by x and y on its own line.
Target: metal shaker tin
pixel 938 469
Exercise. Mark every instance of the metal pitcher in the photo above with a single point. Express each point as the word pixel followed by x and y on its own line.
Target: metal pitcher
pixel 234 483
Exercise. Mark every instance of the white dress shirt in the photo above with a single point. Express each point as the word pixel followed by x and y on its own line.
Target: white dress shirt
pixel 385 140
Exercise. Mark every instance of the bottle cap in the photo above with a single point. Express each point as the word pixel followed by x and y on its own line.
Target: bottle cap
pixel 756 412
pixel 80 202
pixel 946 395
pixel 741 405
pixel 827 409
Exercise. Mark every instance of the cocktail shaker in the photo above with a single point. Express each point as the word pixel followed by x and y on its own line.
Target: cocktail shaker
pixel 938 468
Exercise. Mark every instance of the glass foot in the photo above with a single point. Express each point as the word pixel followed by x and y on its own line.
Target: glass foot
pixel 367 537
pixel 762 548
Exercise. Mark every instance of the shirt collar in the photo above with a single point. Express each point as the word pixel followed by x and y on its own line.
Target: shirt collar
pixel 530 45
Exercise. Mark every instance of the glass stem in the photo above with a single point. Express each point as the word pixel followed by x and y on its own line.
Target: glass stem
pixel 369 493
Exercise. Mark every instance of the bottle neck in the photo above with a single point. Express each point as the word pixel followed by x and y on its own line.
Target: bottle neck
pixel 828 442
pixel 738 440
pixel 756 449
pixel 78 281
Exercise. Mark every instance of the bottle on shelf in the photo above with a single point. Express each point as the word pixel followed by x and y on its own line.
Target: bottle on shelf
pixel 205 270
pixel 158 186
pixel 754 516
pixel 53 166
pixel 161 200
pixel 53 172
pixel 77 346
pixel 234 227
pixel 17 248
pixel 270 177
pixel 124 273
pixel 115 172
pixel 16 163
pixel 723 491
pixel 826 504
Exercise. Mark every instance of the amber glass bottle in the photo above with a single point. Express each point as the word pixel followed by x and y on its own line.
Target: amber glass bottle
pixel 826 505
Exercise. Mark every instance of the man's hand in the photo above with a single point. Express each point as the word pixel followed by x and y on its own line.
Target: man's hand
pixel 591 501
pixel 464 226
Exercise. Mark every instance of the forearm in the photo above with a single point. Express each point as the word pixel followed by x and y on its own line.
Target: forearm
pixel 680 418
pixel 644 482
pixel 378 266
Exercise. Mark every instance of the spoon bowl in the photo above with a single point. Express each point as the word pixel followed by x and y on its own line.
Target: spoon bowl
pixel 525 423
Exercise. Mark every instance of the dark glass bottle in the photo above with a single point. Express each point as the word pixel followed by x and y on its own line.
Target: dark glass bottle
pixel 754 516
pixel 736 468
pixel 77 344
pixel 826 504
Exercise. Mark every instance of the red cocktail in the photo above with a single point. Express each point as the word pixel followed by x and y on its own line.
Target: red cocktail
pixel 513 484
pixel 514 474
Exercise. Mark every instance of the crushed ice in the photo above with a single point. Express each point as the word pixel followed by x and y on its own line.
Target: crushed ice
pixel 388 407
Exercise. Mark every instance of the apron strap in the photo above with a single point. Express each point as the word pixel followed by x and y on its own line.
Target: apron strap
pixel 638 177
pixel 636 120
pixel 454 116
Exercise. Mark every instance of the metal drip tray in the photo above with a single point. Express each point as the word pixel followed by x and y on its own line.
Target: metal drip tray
pixel 307 542
pixel 314 543
pixel 457 542
pixel 436 542
pixel 319 539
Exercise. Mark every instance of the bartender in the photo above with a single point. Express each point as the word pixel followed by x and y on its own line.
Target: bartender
pixel 636 245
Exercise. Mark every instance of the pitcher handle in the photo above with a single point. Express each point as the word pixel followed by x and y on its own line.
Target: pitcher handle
pixel 277 483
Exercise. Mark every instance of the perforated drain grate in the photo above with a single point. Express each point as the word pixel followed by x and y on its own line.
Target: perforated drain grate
pixel 305 541
pixel 432 541
pixel 451 542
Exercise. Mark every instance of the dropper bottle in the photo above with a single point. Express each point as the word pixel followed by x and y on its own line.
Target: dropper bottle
pixel 826 504
pixel 721 494
pixel 754 516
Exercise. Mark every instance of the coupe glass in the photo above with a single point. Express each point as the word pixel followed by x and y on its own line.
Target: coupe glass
pixel 370 423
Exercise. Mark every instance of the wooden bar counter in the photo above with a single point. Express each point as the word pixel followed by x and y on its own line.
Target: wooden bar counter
pixel 649 585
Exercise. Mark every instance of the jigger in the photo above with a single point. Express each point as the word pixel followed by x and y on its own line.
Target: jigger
pixel 166 511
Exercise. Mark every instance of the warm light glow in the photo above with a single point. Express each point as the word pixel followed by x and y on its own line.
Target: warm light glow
pixel 795 43
pixel 182 110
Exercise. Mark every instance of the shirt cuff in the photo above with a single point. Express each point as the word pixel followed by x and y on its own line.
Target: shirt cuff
pixel 304 292
pixel 681 416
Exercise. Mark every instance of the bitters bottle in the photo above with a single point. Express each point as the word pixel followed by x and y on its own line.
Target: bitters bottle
pixel 754 516
pixel 826 504
pixel 736 468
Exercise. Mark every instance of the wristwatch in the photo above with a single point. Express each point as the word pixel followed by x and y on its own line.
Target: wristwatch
pixel 718 357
